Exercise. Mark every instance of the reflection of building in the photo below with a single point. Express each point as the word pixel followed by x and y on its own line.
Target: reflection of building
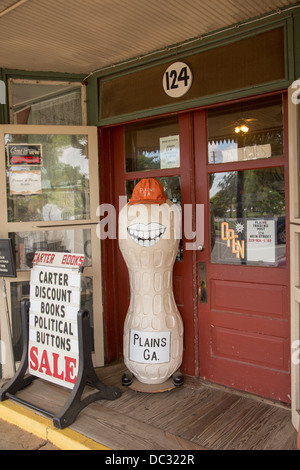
pixel 240 335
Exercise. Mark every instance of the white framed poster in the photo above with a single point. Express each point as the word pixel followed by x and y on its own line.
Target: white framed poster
pixel 148 347
pixel 25 182
pixel 169 152
pixel 261 240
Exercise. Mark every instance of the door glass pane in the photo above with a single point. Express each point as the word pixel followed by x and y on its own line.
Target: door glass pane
pixel 47 177
pixel 69 241
pixel 171 185
pixel 247 210
pixel 246 131
pixel 152 145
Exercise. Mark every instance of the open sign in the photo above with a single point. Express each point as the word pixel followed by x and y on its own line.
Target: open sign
pixel 24 154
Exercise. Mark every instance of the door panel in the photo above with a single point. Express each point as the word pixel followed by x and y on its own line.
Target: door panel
pixel 244 326
pixel 137 149
pixel 233 296
pixel 245 297
pixel 251 348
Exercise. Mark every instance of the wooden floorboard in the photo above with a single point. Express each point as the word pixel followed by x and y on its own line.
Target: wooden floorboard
pixel 195 416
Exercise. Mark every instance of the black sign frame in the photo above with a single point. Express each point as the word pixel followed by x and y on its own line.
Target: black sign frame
pixel 24 154
pixel 86 375
pixel 7 258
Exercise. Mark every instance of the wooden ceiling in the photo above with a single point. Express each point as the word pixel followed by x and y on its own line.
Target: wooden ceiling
pixel 81 36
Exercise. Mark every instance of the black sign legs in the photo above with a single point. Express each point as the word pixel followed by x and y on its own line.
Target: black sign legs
pixel 19 380
pixel 86 375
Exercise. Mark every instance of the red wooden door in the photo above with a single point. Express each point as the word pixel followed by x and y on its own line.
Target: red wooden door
pixel 136 149
pixel 244 312
pixel 233 293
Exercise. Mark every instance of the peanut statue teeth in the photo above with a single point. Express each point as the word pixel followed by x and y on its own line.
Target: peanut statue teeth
pixel 146 235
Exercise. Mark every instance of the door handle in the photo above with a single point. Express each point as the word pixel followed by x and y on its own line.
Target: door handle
pixel 202 284
pixel 201 247
pixel 202 293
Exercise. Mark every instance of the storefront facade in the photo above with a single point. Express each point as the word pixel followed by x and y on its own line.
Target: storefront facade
pixel 217 123
pixel 232 287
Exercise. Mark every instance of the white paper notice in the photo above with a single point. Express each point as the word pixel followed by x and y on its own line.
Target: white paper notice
pixel 261 240
pixel 25 182
pixel 149 347
pixel 169 152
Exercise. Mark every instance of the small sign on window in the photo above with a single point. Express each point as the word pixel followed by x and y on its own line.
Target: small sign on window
pixel 24 154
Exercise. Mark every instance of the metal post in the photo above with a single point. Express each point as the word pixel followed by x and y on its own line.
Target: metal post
pixel 8 325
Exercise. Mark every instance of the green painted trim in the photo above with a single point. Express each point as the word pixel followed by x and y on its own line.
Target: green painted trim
pixel 197 103
pixel 285 21
pixel 92 102
pixel 31 75
pixel 289 50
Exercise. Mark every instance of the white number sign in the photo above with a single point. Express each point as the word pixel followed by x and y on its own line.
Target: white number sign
pixel 177 79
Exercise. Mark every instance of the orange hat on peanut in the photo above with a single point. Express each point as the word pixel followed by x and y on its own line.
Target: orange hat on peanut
pixel 148 191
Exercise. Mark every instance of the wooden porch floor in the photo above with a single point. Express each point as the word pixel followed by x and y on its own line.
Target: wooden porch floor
pixel 195 416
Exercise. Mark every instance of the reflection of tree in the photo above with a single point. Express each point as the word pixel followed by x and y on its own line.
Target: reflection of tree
pixel 226 195
pixel 148 160
pixel 172 188
pixel 250 193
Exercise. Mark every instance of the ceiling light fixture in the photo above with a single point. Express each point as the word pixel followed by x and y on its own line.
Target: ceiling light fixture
pixel 243 128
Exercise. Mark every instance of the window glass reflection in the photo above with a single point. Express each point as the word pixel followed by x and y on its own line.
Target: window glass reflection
pixel 55 189
pixel 46 104
pixel 152 145
pixel 171 185
pixel 245 131
pixel 67 241
pixel 247 210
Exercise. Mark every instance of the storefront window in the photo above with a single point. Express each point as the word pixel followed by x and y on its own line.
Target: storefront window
pixel 247 211
pixel 246 131
pixel 52 187
pixel 151 146
pixel 71 241
pixel 47 177
pixel 41 102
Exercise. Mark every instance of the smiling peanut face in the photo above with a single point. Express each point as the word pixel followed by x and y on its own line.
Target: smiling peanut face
pixel 148 225
pixel 146 235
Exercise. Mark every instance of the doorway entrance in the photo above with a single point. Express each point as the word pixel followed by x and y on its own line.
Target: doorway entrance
pixel 232 288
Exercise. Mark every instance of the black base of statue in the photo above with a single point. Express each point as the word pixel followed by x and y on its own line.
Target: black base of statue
pixel 86 375
pixel 177 379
